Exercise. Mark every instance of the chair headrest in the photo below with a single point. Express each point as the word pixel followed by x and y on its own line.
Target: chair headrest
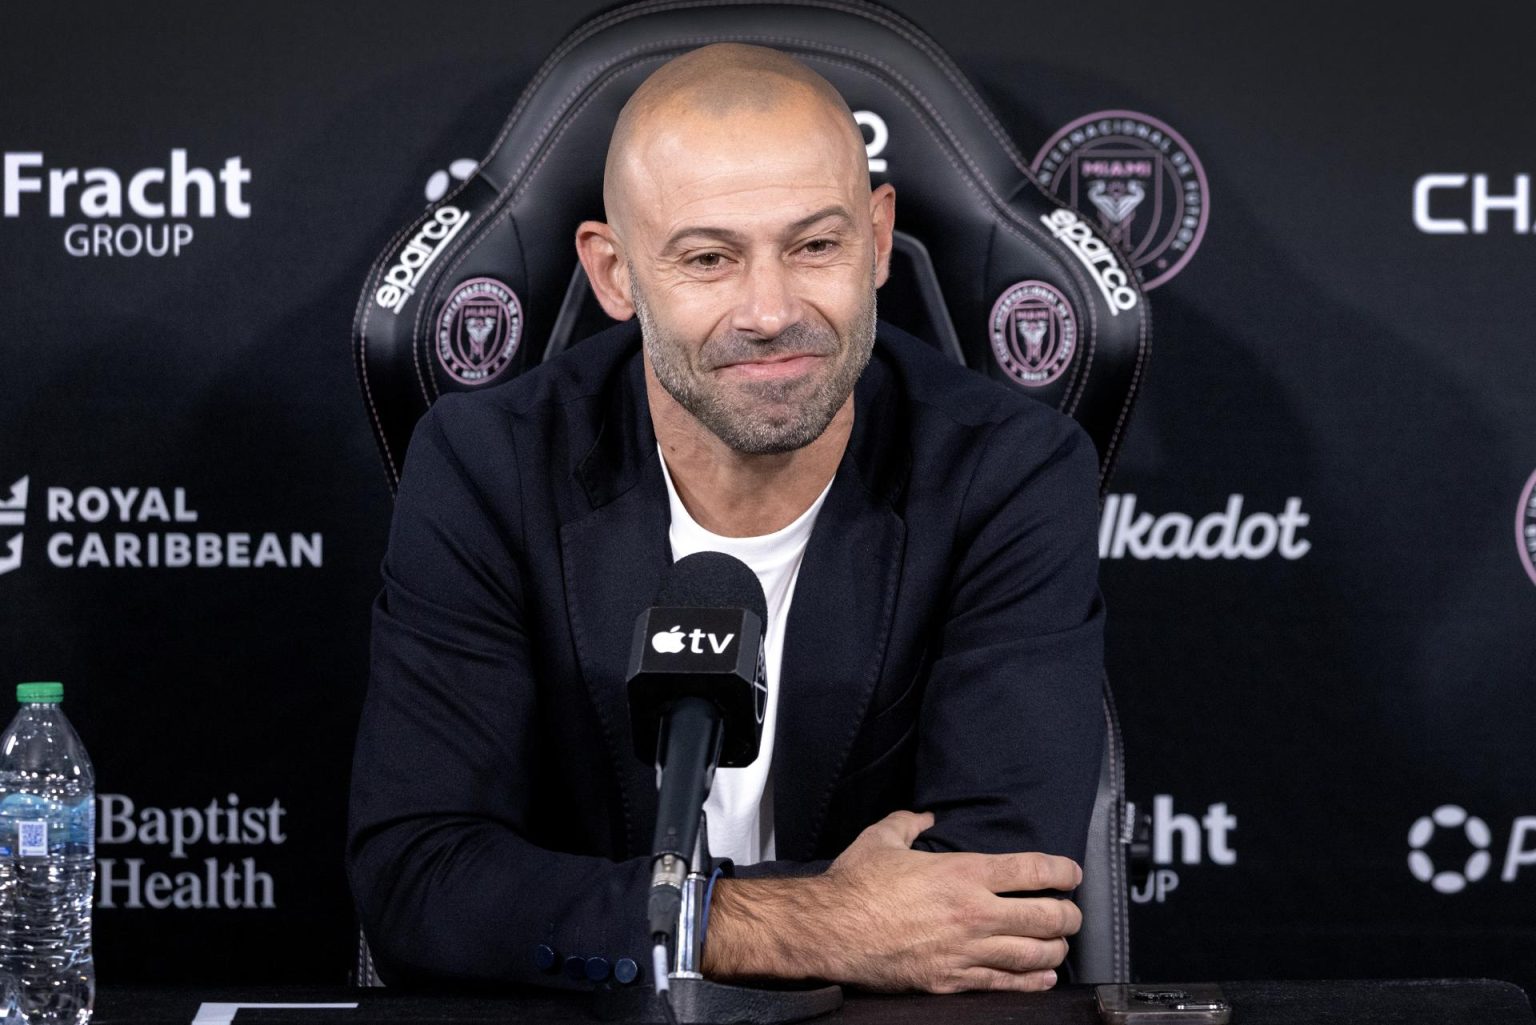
pixel 989 266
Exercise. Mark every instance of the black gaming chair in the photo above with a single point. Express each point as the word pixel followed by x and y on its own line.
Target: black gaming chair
pixel 988 267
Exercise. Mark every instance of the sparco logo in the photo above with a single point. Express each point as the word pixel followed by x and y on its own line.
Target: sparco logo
pixel 165 194
pixel 400 280
pixel 1103 265
pixel 1034 333
pixel 1447 215
pixel 478 330
pixel 1180 838
pixel 1124 533
pixel 1525 527
pixel 1461 843
pixel 1142 181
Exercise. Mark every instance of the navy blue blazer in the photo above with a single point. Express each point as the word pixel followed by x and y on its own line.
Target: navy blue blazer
pixel 943 653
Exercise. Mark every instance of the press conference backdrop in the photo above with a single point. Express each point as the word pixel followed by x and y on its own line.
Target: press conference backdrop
pixel 1318 549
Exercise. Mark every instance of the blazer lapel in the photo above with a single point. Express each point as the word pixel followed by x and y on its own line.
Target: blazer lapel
pixel 613 561
pixel 839 620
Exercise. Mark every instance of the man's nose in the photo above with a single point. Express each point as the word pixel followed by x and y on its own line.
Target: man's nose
pixel 768 304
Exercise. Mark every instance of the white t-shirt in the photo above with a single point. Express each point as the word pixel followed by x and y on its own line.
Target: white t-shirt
pixel 739 810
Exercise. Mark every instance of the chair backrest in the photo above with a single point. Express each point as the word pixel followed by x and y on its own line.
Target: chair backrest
pixel 988 266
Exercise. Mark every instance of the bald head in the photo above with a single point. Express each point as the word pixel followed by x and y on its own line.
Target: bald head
pixel 714 84
pixel 743 234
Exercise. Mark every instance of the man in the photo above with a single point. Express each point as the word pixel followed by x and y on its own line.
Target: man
pixel 928 538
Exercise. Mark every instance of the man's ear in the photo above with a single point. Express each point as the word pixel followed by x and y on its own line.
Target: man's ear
pixel 602 257
pixel 882 215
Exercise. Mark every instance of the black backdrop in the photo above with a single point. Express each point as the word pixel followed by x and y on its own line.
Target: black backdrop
pixel 1334 731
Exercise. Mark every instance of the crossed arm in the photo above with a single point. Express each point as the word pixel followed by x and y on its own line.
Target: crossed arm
pixel 449 886
pixel 887 917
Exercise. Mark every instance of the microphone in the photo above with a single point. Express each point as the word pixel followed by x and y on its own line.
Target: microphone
pixel 697 696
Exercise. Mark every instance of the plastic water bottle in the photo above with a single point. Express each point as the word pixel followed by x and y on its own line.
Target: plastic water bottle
pixel 47 864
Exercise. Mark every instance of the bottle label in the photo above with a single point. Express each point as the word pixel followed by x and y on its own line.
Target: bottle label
pixel 33 839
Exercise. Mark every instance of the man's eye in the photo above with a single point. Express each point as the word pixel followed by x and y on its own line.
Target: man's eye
pixel 820 246
pixel 706 261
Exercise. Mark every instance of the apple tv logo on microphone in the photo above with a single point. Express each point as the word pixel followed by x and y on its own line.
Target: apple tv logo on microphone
pixel 675 641
pixel 713 653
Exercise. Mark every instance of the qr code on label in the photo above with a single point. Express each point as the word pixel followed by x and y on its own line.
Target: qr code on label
pixel 34 838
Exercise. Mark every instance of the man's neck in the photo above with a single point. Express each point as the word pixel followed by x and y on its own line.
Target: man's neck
pixel 735 494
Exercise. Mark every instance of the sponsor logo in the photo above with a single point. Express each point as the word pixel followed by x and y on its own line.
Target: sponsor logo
pixel 219 882
pixel 1181 839
pixel 1139 179
pixel 399 282
pixel 1462 843
pixel 673 641
pixel 1436 216
pixel 478 330
pixel 669 642
pixel 163 196
pixel 1034 333
pixel 1525 527
pixel 13 513
pixel 439 182
pixel 1229 534
pixel 1096 256
pixel 1449 816
pixel 72 544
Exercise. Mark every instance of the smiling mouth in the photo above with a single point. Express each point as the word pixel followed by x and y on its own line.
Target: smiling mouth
pixel 776 367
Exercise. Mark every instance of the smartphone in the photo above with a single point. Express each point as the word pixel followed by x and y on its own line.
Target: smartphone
pixel 1200 1003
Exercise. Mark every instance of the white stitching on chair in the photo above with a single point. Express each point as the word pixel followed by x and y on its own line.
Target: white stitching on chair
pixel 361 355
pixel 424 381
pixel 915 37
pixel 502 208
pixel 1117 909
pixel 1143 346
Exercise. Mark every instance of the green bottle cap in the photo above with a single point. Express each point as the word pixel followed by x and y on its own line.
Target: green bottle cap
pixel 35 693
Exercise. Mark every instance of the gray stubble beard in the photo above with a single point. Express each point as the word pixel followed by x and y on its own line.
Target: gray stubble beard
pixel 745 430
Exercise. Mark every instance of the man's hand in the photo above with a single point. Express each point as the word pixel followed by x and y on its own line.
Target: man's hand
pixel 886 917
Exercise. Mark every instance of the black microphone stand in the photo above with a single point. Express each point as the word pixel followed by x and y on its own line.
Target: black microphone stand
pixel 692 715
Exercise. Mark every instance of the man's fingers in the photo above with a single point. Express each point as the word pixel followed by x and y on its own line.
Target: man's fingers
pixel 991 978
pixel 900 828
pixel 1031 871
pixel 1037 917
pixel 1017 954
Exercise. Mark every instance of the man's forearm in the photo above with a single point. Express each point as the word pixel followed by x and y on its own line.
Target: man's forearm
pixel 771 928
pixel 886 917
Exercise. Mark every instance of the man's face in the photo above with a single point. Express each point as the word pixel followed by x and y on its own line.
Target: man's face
pixel 752 263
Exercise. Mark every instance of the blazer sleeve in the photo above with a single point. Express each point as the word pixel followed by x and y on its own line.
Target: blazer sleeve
pixel 446 885
pixel 1011 728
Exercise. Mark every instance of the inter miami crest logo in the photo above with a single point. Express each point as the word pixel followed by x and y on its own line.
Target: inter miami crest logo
pixel 1138 180
pixel 478 330
pixel 1034 333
